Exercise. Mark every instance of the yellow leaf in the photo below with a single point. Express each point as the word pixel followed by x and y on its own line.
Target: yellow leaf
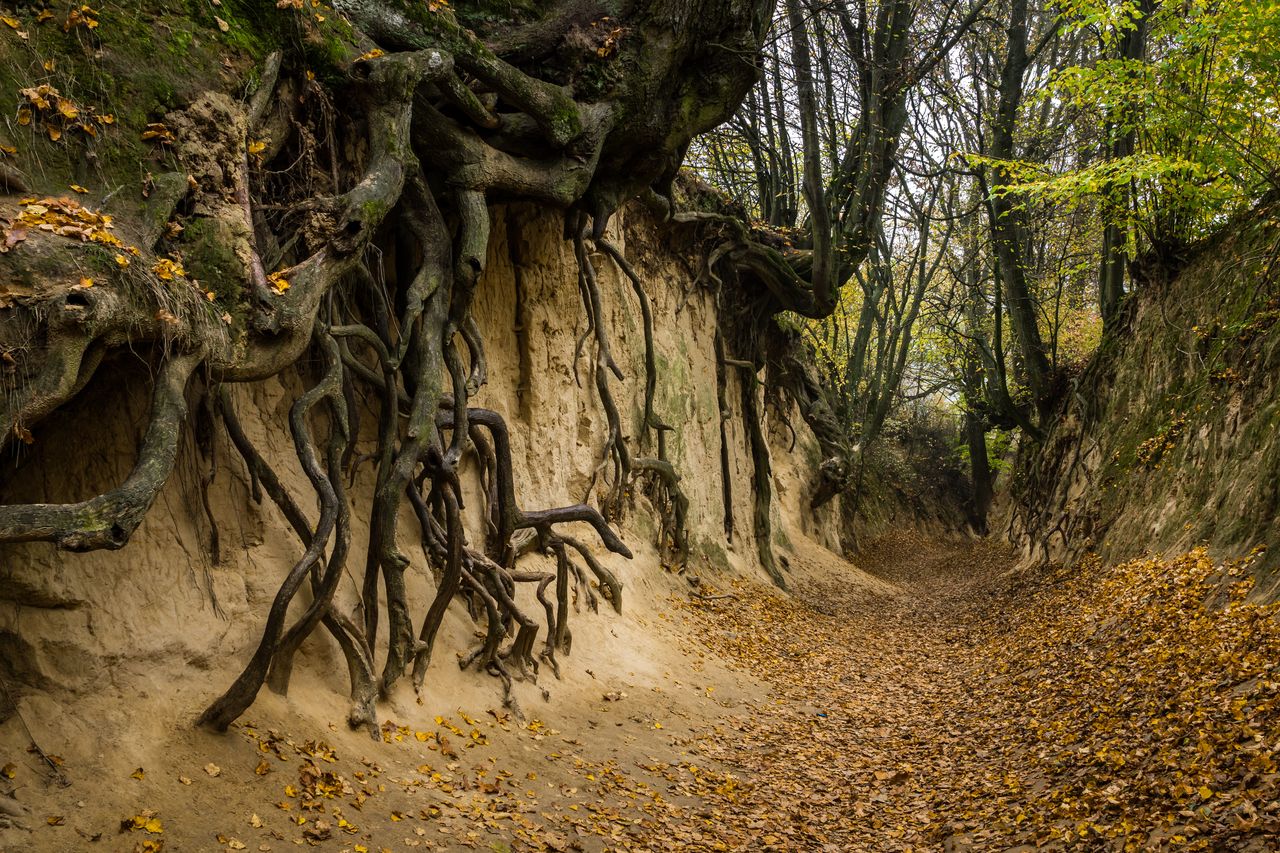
pixel 78 188
pixel 257 146
pixel 54 133
pixel 153 826
pixel 24 116
pixel 55 820
pixel 1205 792
pixel 138 774
pixel 278 281
pixel 11 23
pixel 9 770
pixel 158 132
pixel 167 269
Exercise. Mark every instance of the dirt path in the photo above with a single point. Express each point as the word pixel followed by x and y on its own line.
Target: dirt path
pixel 1122 708
pixel 754 722
pixel 857 747
pixel 930 702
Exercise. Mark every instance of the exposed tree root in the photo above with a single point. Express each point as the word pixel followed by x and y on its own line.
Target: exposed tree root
pixel 430 131
pixel 108 520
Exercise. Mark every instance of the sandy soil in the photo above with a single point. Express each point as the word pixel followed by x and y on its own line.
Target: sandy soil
pixel 603 762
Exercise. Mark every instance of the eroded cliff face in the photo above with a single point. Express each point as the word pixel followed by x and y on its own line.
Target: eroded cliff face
pixel 1170 439
pixel 172 609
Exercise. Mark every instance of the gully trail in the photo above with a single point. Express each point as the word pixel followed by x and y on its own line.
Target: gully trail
pixel 933 699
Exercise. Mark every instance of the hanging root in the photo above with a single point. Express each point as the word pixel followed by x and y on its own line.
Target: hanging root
pixel 672 505
pixel 610 586
pixel 762 473
pixel 245 688
pixel 377 220
pixel 665 492
pixel 615 462
pixel 108 520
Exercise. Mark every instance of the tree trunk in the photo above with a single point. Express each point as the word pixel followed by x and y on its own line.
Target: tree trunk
pixel 1008 219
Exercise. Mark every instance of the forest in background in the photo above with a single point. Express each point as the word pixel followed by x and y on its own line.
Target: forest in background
pixel 1043 164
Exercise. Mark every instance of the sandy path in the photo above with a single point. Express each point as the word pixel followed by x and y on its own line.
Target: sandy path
pixel 854 748
pixel 746 723
pixel 931 702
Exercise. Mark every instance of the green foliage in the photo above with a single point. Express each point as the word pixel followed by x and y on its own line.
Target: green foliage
pixel 1201 108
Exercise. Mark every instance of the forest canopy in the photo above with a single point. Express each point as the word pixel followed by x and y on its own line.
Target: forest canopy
pixel 1048 161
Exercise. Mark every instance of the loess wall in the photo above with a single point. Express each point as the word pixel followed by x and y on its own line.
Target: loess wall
pixel 1171 438
pixel 166 607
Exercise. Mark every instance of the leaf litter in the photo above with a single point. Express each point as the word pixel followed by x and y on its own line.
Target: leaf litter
pixel 967 707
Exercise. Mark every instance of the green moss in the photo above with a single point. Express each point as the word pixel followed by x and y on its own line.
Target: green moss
pixel 479 14
pixel 709 552
pixel 780 539
pixel 328 47
pixel 373 210
pixel 140 62
pixel 180 42
pixel 208 258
